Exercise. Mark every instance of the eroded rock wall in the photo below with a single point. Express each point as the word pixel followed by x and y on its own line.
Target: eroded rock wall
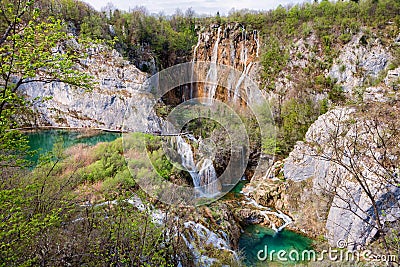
pixel 233 46
pixel 118 99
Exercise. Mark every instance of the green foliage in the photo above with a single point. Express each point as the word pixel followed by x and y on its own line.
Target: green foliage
pixel 30 51
pixel 297 116
pixel 273 60
pixel 332 23
pixel 150 155
pixel 396 58
pixel 168 39
pixel 122 180
pixel 109 167
pixel 43 212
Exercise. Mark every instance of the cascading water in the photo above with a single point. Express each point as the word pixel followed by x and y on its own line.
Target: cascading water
pixel 246 67
pixel 265 211
pixel 208 237
pixel 255 36
pixel 193 60
pixel 185 151
pixel 231 77
pixel 203 173
pixel 208 175
pixel 212 75
pixel 237 53
pixel 240 81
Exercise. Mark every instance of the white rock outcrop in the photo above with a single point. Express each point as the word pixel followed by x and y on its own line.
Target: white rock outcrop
pixel 358 61
pixel 351 215
pixel 117 101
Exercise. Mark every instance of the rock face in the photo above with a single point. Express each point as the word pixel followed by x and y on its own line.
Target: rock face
pixel 350 212
pixel 361 59
pixel 118 94
pixel 393 78
pixel 315 186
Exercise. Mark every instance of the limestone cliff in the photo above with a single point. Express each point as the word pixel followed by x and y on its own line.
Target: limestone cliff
pixel 348 214
pixel 361 59
pixel 116 97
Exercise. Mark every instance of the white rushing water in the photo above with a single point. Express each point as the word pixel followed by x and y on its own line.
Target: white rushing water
pixel 203 234
pixel 207 237
pixel 185 151
pixel 203 172
pixel 212 75
pixel 255 36
pixel 245 72
pixel 265 211
pixel 246 67
pixel 233 84
pixel 193 61
pixel 231 77
pixel 208 176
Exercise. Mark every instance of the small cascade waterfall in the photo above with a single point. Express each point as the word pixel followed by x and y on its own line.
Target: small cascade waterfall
pixel 212 75
pixel 203 173
pixel 208 175
pixel 185 151
pixel 193 61
pixel 208 237
pixel 265 211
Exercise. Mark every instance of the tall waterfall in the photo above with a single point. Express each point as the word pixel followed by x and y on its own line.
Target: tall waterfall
pixel 212 75
pixel 232 46
pixel 193 60
pixel 203 172
pixel 255 36
pixel 246 67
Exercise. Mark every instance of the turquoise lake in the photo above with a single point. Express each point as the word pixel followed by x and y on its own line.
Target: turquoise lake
pixel 43 141
pixel 257 237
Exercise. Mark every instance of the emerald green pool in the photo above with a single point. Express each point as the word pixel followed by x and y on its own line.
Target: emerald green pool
pixel 43 141
pixel 256 238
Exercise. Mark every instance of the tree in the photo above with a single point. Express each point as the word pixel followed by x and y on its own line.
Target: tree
pixel 108 10
pixel 218 18
pixel 364 147
pixel 31 50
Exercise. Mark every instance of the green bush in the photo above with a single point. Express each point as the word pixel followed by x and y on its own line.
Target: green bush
pixel 122 180
pixel 345 38
pixel 336 94
pixel 297 115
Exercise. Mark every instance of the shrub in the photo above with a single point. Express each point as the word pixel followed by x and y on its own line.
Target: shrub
pixel 336 94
